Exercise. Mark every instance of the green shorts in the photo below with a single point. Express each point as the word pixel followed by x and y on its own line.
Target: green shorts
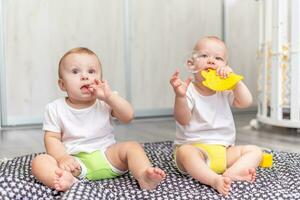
pixel 95 166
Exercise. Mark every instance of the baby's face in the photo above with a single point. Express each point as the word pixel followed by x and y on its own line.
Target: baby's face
pixel 78 71
pixel 210 54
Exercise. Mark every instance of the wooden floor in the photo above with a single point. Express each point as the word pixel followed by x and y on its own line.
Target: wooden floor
pixel 21 141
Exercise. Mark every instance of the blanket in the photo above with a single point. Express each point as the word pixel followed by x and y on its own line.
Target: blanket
pixel 282 181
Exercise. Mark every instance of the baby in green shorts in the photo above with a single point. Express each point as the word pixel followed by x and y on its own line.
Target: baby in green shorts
pixel 79 138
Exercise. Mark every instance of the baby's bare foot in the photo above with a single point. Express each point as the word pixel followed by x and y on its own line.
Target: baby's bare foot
pixel 245 175
pixel 63 180
pixel 252 173
pixel 222 185
pixel 151 177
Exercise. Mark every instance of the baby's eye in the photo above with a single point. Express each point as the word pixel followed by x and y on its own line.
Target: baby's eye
pixel 203 56
pixel 92 71
pixel 219 58
pixel 75 71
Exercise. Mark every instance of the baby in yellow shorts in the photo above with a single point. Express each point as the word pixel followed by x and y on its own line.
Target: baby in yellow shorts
pixel 205 130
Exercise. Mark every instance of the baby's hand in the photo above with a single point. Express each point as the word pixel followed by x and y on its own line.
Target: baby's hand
pixel 101 89
pixel 224 71
pixel 178 85
pixel 68 163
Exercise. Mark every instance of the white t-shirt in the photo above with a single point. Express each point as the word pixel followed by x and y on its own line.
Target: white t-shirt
pixel 83 130
pixel 212 121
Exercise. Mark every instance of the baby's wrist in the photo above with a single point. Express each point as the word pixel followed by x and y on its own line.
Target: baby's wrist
pixel 180 96
pixel 110 98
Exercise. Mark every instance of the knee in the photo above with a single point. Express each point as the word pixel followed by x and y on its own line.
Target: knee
pixel 39 160
pixel 132 145
pixel 130 148
pixel 35 163
pixel 254 149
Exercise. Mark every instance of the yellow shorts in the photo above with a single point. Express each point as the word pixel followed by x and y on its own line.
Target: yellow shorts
pixel 215 156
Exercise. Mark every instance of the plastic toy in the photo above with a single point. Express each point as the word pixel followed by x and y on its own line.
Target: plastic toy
pixel 216 83
pixel 267 160
pixel 191 60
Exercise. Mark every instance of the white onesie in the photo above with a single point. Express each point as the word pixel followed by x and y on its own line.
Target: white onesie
pixel 83 130
pixel 212 121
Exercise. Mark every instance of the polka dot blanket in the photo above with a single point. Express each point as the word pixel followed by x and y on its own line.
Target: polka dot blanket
pixel 282 181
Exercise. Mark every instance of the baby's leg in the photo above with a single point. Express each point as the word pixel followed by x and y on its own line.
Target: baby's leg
pixel 44 167
pixel 191 160
pixel 242 162
pixel 131 156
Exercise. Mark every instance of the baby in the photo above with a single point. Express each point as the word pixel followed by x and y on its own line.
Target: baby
pixel 205 130
pixel 79 138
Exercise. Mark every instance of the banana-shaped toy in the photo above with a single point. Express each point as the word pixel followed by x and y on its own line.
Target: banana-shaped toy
pixel 216 83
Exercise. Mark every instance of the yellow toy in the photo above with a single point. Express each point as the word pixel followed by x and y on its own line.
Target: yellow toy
pixel 266 160
pixel 216 83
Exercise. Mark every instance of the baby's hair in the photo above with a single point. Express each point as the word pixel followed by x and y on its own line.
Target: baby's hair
pixel 214 38
pixel 211 37
pixel 77 50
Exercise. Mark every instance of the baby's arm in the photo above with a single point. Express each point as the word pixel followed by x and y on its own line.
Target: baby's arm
pixel 182 112
pixel 121 109
pixel 242 96
pixel 56 149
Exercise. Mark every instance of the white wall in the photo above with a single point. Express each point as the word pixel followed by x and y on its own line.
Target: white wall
pixel 242 35
pixel 162 32
pixel 140 44
pixel 38 32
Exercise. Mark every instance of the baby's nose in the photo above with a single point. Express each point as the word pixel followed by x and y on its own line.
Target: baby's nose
pixel 84 77
pixel 210 61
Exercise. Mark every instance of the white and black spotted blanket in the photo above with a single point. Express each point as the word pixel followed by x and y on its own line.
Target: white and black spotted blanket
pixel 280 182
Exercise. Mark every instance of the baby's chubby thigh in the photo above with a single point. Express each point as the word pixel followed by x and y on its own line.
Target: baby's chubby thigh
pixel 187 154
pixel 117 154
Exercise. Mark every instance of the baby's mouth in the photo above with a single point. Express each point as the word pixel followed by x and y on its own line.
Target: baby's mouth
pixel 85 88
pixel 208 68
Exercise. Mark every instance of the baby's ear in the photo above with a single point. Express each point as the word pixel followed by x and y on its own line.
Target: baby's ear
pixel 61 84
